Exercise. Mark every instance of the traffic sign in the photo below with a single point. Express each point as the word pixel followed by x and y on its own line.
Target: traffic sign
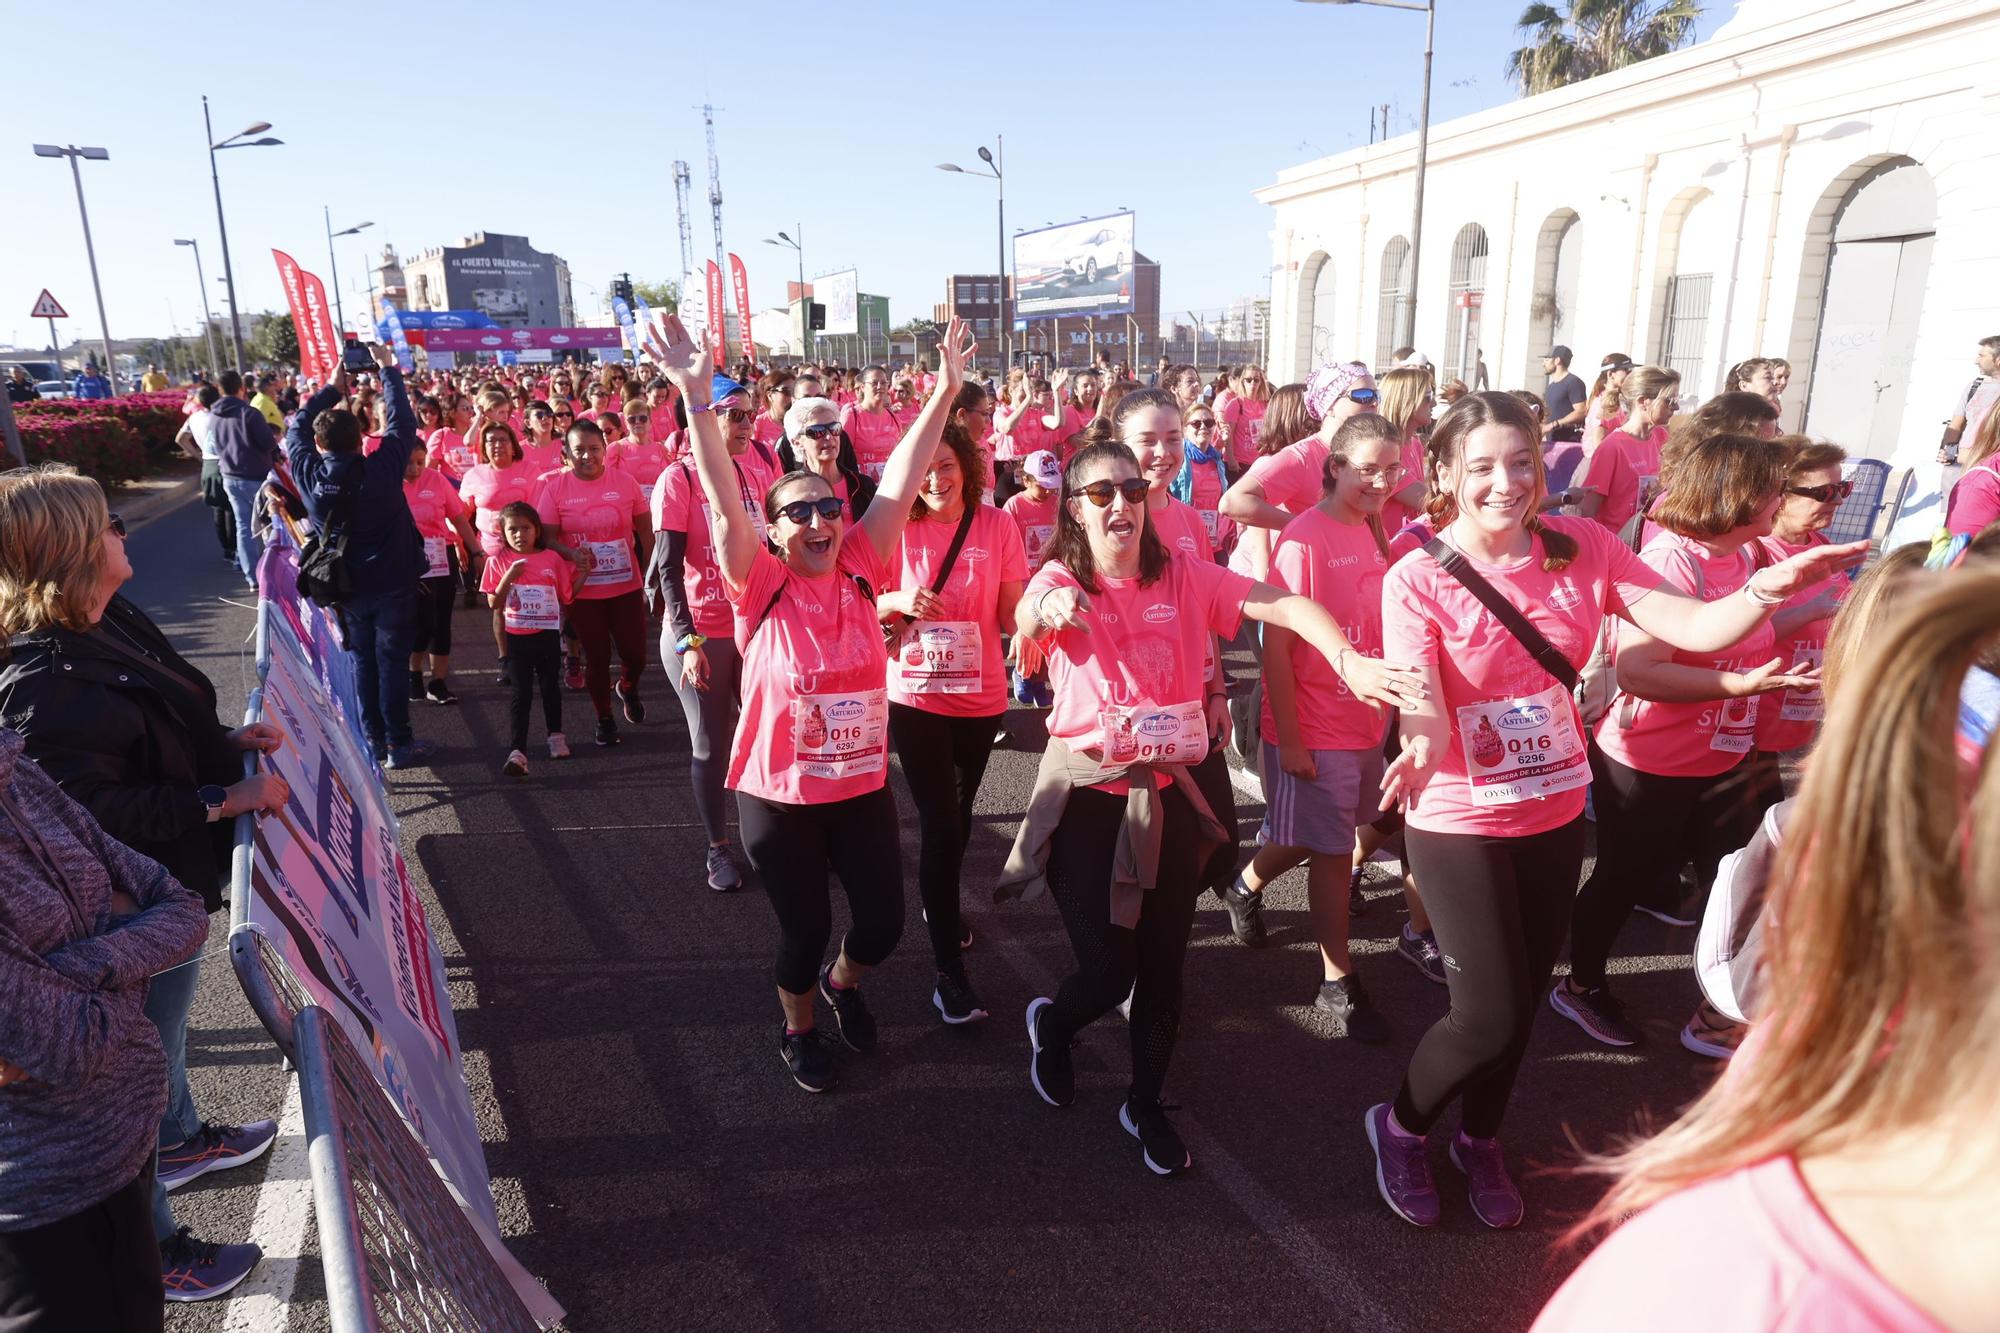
pixel 47 307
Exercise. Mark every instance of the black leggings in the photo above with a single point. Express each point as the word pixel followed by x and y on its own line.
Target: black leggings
pixel 1212 776
pixel 1499 907
pixel 97 1269
pixel 532 658
pixel 793 847
pixel 600 622
pixel 944 759
pixel 1647 827
pixel 1111 959
pixel 434 599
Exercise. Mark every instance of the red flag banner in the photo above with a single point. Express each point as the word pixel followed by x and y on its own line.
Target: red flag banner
pixel 740 281
pixel 295 294
pixel 325 341
pixel 718 340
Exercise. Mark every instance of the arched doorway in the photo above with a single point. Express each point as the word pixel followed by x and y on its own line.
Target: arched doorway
pixel 1392 311
pixel 1558 266
pixel 1315 307
pixel 1878 259
pixel 1467 294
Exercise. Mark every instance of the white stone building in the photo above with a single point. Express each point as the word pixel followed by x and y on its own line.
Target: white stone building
pixel 1812 182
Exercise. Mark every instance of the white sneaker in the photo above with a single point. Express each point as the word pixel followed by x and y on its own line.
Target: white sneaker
pixel 516 765
pixel 558 745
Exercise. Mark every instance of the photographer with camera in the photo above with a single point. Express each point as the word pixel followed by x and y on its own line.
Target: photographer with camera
pixel 357 500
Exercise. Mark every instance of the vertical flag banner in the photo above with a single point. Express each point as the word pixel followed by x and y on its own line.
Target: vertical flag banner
pixel 295 296
pixel 393 321
pixel 718 339
pixel 320 314
pixel 624 313
pixel 740 281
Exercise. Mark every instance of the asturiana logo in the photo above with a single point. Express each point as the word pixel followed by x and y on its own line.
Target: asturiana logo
pixel 1525 717
pixel 1160 724
pixel 1159 613
pixel 845 711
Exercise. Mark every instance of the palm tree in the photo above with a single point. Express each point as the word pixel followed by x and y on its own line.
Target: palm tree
pixel 1595 37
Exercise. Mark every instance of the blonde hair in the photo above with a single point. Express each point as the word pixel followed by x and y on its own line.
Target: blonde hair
pixel 1647 382
pixel 1864 612
pixel 1403 391
pixel 1881 963
pixel 52 523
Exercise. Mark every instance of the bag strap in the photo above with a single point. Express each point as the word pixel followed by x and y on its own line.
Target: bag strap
pixel 1509 617
pixel 957 544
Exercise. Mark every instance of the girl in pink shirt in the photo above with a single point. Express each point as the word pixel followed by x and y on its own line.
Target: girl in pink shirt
pixel 869 423
pixel 1033 510
pixel 636 452
pixel 947 677
pixel 810 762
pixel 528 585
pixel 440 516
pixel 769 428
pixel 1974 502
pixel 1242 418
pixel 1128 627
pixel 541 447
pixel 1621 471
pixel 1493 765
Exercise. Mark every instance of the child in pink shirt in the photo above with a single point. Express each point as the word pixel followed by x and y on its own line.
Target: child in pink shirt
pixel 529 585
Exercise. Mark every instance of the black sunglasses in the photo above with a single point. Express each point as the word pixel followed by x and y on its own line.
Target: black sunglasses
pixel 828 507
pixel 821 431
pixel 738 415
pixel 1099 493
pixel 1833 490
pixel 117 525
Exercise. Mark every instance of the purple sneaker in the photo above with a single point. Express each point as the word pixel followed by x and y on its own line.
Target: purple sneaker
pixel 1488 1187
pixel 1402 1170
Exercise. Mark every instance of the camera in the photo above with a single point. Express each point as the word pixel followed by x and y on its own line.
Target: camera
pixel 356 357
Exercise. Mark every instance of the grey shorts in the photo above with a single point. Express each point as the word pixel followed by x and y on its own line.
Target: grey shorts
pixel 1320 814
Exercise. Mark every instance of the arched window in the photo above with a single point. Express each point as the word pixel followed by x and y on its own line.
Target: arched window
pixel 1558 264
pixel 1321 347
pixel 1392 314
pixel 1467 294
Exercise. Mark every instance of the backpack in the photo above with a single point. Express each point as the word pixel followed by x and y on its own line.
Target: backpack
pixel 323 572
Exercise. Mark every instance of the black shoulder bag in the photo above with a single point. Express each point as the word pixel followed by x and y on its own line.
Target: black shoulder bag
pixel 894 629
pixel 1505 612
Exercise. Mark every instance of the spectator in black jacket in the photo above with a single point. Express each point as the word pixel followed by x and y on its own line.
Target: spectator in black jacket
pixel 362 497
pixel 245 451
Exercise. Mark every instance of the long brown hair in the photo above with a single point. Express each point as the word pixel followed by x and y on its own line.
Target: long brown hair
pixel 972 476
pixel 1447 444
pixel 1881 979
pixel 1287 420
pixel 1071 544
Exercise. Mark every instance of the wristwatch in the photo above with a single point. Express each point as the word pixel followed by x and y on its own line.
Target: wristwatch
pixel 214 798
pixel 689 641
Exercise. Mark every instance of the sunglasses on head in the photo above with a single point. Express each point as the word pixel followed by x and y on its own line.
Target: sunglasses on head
pixel 116 524
pixel 1827 494
pixel 1365 397
pixel 824 430
pixel 1099 493
pixel 828 507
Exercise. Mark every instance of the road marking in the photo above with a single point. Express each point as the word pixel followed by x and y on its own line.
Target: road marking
pixel 263 1303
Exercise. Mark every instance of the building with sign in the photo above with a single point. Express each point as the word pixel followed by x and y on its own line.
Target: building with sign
pixel 1074 340
pixel 979 300
pixel 514 284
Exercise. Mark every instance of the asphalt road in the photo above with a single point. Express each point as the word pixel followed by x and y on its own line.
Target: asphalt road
pixel 654 1164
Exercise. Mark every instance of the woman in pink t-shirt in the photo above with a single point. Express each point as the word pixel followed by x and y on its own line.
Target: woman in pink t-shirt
pixel 947 673
pixel 776 393
pixel 1974 502
pixel 869 423
pixel 636 452
pixel 1493 765
pixel 1128 626
pixel 1204 474
pixel 1242 418
pixel 1621 472
pixel 541 447
pixel 499 479
pixel 440 516
pixel 810 760
pixel 1840 1175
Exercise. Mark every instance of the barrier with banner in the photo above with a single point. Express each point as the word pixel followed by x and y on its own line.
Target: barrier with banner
pixel 323 912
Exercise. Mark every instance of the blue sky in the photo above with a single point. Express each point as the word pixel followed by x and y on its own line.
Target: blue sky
pixel 561 122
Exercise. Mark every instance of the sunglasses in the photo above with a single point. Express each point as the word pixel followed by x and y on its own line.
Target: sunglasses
pixel 828 507
pixel 1365 397
pixel 637 419
pixel 1099 493
pixel 738 415
pixel 824 430
pixel 1827 494
pixel 117 525
pixel 565 416
pixel 1201 423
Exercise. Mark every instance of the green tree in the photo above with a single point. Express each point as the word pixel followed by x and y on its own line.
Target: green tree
pixel 1580 39
pixel 664 295
pixel 276 343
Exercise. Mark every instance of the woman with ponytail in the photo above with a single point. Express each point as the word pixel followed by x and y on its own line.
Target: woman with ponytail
pixel 1501 609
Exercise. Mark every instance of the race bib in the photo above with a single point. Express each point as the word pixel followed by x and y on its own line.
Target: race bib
pixel 1039 535
pixel 1805 705
pixel 1736 729
pixel 840 735
pixel 531 607
pixel 611 562
pixel 875 470
pixel 1522 749
pixel 436 563
pixel 941 657
pixel 1209 521
pixel 462 457
pixel 1147 733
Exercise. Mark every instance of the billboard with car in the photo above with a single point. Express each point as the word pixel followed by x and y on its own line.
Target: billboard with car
pixel 1079 268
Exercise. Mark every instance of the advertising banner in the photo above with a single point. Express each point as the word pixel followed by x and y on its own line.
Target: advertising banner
pixel 718 329
pixel 495 340
pixel 326 341
pixel 393 321
pixel 295 296
pixel 1079 268
pixel 841 294
pixel 623 311
pixel 740 284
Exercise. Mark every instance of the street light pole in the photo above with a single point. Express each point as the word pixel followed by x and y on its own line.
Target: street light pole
pixel 805 304
pixel 207 320
pixel 998 176
pixel 73 153
pixel 339 314
pixel 221 226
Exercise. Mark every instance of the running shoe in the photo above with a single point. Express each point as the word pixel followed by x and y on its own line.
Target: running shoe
pixel 440 692
pixel 628 697
pixel 200 1270
pixel 954 997
pixel 1357 902
pixel 417 754
pixel 1045 694
pixel 1402 1169
pixel 1421 949
pixel 1348 1002
pixel 1000 733
pixel 806 1056
pixel 558 745
pixel 1709 1033
pixel 1495 1201
pixel 723 876
pixel 850 1012
pixel 1049 1067
pixel 416 686
pixel 1163 1150
pixel 607 732
pixel 215 1148
pixel 1024 694
pixel 1597 1012
pixel 1246 914
pixel 516 765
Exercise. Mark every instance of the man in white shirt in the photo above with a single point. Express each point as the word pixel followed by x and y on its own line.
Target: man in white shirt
pixel 196 441
pixel 1979 399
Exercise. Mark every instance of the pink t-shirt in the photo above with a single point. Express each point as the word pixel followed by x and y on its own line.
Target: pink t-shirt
pixel 1292 477
pixel 450 453
pixel 1339 566
pixel 767 430
pixel 1975 499
pixel 1643 455
pixel 1242 422
pixel 815 721
pixel 1181 528
pixel 874 435
pixel 1030 434
pixel 680 505
pixel 1206 501
pixel 541 457
pixel 599 515
pixel 953 664
pixel 1037 522
pixel 1789 720
pixel 490 489
pixel 535 601
pixel 644 461
pixel 1770 1260
pixel 1134 687
pixel 1429 619
pixel 1609 472
pixel 1692 740
pixel 433 505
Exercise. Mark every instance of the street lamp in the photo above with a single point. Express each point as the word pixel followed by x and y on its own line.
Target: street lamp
pixel 228 272
pixel 1428 8
pixel 207 320
pixel 74 154
pixel 993 160
pixel 805 302
pixel 339 315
